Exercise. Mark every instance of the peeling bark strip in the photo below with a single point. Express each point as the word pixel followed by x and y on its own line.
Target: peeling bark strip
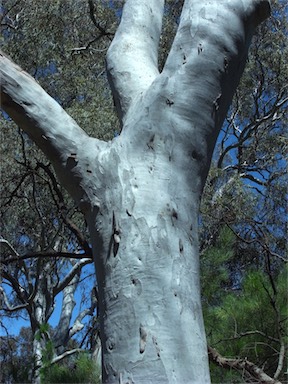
pixel 161 159
pixel 143 338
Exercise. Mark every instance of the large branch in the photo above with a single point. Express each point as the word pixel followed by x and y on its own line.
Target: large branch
pixel 132 58
pixel 70 275
pixel 78 325
pixel 68 304
pixel 242 365
pixel 209 26
pixel 47 124
pixel 10 307
pixel 207 59
pixel 34 111
pixel 67 146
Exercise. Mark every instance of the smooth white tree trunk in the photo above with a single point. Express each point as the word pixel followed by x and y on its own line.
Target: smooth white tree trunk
pixel 140 193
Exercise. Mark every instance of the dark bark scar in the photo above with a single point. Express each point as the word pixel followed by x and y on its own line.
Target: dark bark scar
pixel 116 237
pixel 156 345
pixel 169 102
pixel 181 247
pixel 143 338
pixel 150 144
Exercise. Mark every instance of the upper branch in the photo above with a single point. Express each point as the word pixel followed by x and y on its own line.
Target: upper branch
pixel 70 275
pixel 132 58
pixel 66 145
pixel 208 57
pixel 9 307
pixel 34 111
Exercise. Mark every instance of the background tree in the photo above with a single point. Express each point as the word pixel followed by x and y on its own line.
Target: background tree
pixel 33 287
pixel 245 318
pixel 17 362
pixel 245 193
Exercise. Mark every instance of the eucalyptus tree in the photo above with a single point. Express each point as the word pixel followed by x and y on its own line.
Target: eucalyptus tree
pixel 140 193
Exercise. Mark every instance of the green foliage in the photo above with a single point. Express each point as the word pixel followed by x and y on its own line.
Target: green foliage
pixel 80 370
pixel 48 352
pixel 225 376
pixel 42 331
pixel 249 321
pixel 214 267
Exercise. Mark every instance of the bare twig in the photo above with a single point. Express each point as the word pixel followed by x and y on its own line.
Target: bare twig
pixel 66 280
pixel 44 254
pixel 9 307
pixel 61 207
pixel 249 333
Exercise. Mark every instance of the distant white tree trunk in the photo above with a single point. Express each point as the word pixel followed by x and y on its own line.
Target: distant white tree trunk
pixel 140 193
pixel 37 355
pixel 38 318
pixel 62 334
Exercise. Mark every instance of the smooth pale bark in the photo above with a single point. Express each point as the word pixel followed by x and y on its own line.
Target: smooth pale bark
pixel 140 193
pixel 61 336
pixel 136 42
pixel 66 329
